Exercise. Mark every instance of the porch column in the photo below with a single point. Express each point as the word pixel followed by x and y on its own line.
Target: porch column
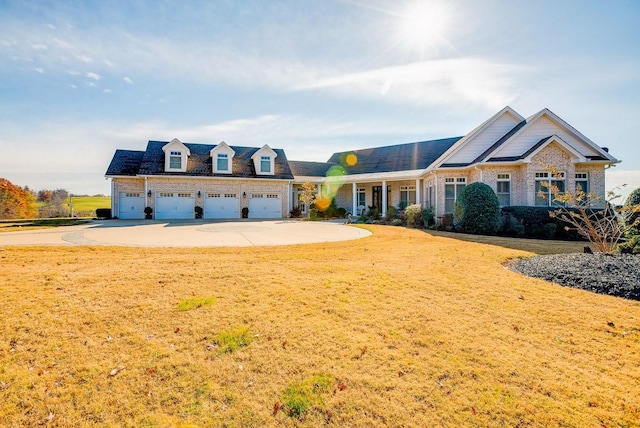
pixel 354 199
pixel 418 192
pixel 384 199
pixel 290 201
pixel 319 190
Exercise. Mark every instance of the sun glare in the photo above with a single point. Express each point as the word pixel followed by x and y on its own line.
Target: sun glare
pixel 423 23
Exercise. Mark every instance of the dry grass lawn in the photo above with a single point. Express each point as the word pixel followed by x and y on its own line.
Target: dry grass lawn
pixel 403 328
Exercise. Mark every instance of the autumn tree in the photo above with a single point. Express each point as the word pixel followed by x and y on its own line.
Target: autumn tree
pixel 16 202
pixel 308 195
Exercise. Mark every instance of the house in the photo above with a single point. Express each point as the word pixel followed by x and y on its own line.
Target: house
pixel 508 152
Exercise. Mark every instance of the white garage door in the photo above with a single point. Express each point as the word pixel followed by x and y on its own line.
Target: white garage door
pixel 175 205
pixel 265 205
pixel 222 205
pixel 131 205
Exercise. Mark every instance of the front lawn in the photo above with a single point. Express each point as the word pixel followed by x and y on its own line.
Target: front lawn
pixel 404 328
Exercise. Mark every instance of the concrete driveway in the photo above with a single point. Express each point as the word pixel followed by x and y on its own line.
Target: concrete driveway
pixel 188 233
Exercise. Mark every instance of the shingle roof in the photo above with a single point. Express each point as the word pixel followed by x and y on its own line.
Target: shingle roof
pixel 401 157
pixel 309 169
pixel 152 160
pixel 125 162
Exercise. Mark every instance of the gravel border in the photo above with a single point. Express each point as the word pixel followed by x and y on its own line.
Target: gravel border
pixel 612 274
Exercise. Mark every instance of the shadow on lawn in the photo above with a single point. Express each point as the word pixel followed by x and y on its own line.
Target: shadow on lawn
pixel 536 246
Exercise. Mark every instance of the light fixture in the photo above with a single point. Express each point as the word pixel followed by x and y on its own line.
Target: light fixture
pixel 199 194
pixel 149 193
pixel 244 194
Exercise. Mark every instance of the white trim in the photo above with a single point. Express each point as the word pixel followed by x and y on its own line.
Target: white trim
pixel 577 156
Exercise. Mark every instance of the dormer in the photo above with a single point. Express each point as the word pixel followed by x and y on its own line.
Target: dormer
pixel 222 159
pixel 264 160
pixel 175 156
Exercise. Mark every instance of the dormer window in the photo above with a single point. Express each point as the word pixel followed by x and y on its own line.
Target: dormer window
pixel 175 160
pixel 175 156
pixel 223 162
pixel 221 159
pixel 264 160
pixel 265 164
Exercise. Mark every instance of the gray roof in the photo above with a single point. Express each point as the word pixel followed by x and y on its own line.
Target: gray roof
pixel 400 157
pixel 199 164
pixel 125 162
pixel 309 169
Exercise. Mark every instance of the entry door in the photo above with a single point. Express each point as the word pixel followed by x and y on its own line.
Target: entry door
pixel 377 196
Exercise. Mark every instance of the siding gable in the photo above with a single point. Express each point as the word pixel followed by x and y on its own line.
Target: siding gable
pixel 478 141
pixel 540 127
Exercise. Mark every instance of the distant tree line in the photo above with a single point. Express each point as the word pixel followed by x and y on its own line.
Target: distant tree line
pixel 21 202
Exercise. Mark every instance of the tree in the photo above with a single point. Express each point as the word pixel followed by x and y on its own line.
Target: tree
pixel 308 195
pixel 477 210
pixel 603 227
pixel 15 202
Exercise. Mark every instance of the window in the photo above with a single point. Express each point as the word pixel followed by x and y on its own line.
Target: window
pixel 265 163
pixel 430 194
pixel 582 182
pixel 544 196
pixel 175 160
pixel 361 197
pixel 223 162
pixel 452 189
pixel 407 195
pixel 503 189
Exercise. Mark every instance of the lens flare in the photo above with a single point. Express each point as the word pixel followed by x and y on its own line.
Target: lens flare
pixel 323 202
pixel 351 159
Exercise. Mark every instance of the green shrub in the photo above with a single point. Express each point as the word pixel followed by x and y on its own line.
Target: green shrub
pixel 530 222
pixel 391 213
pixel 631 215
pixel 477 210
pixel 428 217
pixel 295 212
pixel 413 214
pixel 631 246
pixel 396 222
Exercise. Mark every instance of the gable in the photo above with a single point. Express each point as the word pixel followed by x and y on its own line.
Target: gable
pixel 483 138
pixel 542 126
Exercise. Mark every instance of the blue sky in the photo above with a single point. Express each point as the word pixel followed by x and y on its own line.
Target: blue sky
pixel 80 79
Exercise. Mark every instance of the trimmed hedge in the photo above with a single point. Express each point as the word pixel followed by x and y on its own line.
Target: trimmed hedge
pixel 103 213
pixel 535 222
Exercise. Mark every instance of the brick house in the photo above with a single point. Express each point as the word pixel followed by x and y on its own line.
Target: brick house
pixel 508 152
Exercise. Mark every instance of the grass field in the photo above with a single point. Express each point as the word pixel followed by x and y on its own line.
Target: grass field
pixel 84 206
pixel 403 328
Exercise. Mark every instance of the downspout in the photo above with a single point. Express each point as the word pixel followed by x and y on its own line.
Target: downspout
pixel 435 196
pixel 146 190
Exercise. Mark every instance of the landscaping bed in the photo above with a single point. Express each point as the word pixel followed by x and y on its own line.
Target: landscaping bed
pixel 612 274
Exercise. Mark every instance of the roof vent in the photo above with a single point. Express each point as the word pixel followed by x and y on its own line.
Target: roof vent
pixel 606 149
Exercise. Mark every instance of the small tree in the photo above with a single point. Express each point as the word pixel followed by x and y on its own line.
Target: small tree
pixel 603 227
pixel 308 195
pixel 16 202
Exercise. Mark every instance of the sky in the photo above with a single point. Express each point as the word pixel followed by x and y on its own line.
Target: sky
pixel 80 79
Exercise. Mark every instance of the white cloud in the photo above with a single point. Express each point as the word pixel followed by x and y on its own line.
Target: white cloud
pixel 107 91
pixel 39 47
pixel 84 58
pixel 92 84
pixel 437 82
pixel 93 76
pixel 39 70
pixel 128 80
pixel 73 86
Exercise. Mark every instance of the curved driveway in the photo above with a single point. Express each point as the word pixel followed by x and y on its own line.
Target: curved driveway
pixel 188 233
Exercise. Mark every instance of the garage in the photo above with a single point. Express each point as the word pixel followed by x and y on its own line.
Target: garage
pixel 174 205
pixel 265 205
pixel 131 205
pixel 222 205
